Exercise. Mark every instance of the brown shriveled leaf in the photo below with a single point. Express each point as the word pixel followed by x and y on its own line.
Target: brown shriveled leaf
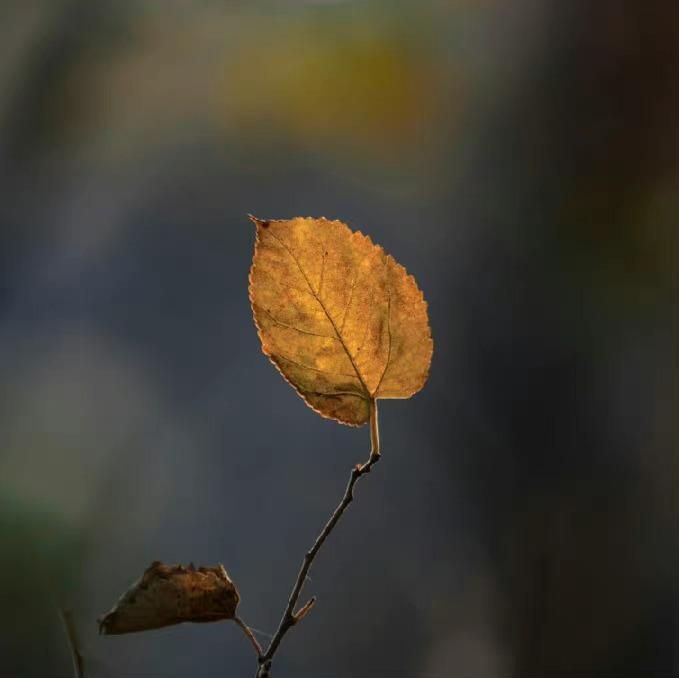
pixel 172 594
pixel 343 322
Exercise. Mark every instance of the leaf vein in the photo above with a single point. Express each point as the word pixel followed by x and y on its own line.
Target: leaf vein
pixel 351 296
pixel 331 394
pixel 292 327
pixel 386 364
pixel 320 282
pixel 310 367
pixel 325 310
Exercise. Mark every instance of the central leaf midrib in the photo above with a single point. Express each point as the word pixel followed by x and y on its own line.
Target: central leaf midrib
pixel 327 314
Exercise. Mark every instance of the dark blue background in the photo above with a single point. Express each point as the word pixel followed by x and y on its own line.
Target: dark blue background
pixel 520 159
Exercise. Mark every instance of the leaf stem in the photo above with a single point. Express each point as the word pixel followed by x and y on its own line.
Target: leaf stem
pixel 251 636
pixel 290 617
pixel 374 430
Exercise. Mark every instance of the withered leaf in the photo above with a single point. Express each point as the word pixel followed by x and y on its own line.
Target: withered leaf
pixel 172 594
pixel 343 322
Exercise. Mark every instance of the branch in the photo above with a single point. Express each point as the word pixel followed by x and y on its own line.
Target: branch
pixel 69 627
pixel 290 618
pixel 251 636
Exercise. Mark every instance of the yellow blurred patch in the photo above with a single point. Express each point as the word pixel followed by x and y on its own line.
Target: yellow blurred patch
pixel 336 84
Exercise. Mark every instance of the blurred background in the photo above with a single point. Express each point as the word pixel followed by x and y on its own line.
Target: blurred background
pixel 519 158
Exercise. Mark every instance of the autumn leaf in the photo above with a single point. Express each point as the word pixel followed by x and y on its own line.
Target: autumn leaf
pixel 172 594
pixel 343 322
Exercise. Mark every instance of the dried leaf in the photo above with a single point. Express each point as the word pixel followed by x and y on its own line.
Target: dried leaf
pixel 343 321
pixel 172 594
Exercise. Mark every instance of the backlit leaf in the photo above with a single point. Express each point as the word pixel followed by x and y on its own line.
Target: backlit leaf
pixel 343 322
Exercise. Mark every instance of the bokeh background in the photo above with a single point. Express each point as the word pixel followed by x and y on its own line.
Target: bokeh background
pixel 520 158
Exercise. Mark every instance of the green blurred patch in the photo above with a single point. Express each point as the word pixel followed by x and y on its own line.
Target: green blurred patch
pixel 41 560
pixel 619 235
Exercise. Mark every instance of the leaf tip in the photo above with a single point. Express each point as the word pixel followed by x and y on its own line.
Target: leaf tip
pixel 264 223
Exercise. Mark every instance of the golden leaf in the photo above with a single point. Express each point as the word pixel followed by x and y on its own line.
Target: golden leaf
pixel 172 594
pixel 343 322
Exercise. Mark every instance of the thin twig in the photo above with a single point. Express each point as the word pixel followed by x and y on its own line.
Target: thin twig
pixel 251 636
pixel 69 627
pixel 305 609
pixel 290 617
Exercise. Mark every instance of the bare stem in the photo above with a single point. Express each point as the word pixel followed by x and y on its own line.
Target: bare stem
pixel 251 636
pixel 374 431
pixel 69 627
pixel 290 617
